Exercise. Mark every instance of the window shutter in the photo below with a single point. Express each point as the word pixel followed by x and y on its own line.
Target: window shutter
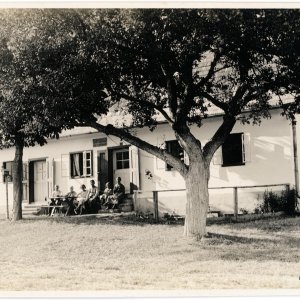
pixel 50 165
pixel 134 168
pixel 246 147
pixel 160 164
pixel 65 164
pixel 25 181
pixel 1 175
pixel 25 171
pixel 186 159
pixel 218 159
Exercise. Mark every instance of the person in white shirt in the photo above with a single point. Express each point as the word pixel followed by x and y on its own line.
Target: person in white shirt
pixel 56 196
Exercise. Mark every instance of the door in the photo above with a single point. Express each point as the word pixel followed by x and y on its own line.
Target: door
pixel 134 168
pixel 121 167
pixel 25 182
pixel 102 166
pixel 40 181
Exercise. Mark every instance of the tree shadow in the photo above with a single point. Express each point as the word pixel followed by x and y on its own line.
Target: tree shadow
pixel 237 239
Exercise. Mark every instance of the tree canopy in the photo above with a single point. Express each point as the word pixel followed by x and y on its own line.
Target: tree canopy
pixel 44 82
pixel 68 68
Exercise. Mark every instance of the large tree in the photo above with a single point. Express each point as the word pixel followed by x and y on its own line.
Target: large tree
pixel 176 63
pixel 180 63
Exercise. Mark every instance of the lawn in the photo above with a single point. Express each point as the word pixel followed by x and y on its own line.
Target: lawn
pixel 93 253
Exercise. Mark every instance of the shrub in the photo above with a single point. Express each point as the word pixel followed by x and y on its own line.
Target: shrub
pixel 274 202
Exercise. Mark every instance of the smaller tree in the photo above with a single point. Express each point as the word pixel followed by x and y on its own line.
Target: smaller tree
pixel 43 82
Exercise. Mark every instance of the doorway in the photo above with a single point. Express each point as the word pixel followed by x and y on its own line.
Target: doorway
pixel 38 183
pixel 102 170
pixel 121 167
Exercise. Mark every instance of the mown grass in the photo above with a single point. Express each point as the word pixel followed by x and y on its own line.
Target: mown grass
pixel 92 253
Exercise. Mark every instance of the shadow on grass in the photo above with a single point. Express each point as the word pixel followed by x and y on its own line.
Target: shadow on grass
pixel 91 220
pixel 269 223
pixel 216 237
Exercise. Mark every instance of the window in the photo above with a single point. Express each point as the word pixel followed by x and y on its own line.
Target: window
pixel 174 148
pixel 122 160
pixel 81 164
pixel 233 150
pixel 8 166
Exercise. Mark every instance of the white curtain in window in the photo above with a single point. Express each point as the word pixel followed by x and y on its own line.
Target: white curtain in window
pixel 76 165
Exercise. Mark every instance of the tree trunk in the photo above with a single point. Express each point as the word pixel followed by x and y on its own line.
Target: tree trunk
pixel 197 200
pixel 17 180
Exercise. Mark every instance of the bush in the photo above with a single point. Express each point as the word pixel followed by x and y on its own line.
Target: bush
pixel 274 202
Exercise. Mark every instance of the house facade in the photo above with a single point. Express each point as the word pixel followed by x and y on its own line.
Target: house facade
pixel 253 159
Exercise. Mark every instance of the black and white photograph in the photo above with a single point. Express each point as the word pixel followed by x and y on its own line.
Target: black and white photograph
pixel 149 150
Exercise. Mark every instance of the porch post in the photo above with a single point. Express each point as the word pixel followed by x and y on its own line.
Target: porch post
pixel 7 207
pixel 296 170
pixel 155 204
pixel 235 189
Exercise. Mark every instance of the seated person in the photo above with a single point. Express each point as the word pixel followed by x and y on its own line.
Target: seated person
pixel 72 194
pixel 69 200
pixel 56 196
pixel 106 193
pixel 55 199
pixel 93 202
pixel 82 197
pixel 118 194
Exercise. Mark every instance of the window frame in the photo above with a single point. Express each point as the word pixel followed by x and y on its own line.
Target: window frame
pixel 123 160
pixel 85 168
pixel 11 171
pixel 169 149
pixel 237 163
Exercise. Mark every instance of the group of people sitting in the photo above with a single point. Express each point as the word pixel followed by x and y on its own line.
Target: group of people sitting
pixel 90 201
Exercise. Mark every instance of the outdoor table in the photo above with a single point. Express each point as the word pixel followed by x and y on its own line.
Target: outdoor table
pixel 56 204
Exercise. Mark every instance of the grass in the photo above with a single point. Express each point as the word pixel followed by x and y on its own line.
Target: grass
pixel 92 253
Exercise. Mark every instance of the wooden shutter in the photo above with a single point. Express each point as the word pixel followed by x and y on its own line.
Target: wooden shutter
pixel 134 168
pixel 160 164
pixel 218 159
pixel 1 175
pixel 246 144
pixel 50 175
pixel 186 158
pixel 65 165
pixel 25 181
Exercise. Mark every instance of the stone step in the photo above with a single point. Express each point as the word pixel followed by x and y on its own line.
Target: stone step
pixel 127 201
pixel 126 208
pixel 32 209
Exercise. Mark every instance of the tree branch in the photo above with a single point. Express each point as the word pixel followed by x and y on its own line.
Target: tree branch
pixel 149 104
pixel 214 101
pixel 133 140
pixel 219 137
pixel 211 72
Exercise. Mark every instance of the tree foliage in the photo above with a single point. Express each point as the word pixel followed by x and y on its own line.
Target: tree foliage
pixel 44 80
pixel 69 68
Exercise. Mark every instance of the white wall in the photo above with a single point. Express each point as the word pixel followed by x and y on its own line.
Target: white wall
pixel 271 163
pixel 54 149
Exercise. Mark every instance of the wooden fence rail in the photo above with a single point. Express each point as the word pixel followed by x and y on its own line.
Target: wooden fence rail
pixel 235 195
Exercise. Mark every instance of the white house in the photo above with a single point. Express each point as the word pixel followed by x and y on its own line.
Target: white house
pixel 256 158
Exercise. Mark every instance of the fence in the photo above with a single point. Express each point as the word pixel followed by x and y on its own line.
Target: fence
pixel 235 190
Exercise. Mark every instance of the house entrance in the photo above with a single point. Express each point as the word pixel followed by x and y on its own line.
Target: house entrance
pixel 123 161
pixel 40 180
pixel 121 167
pixel 35 180
pixel 102 170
